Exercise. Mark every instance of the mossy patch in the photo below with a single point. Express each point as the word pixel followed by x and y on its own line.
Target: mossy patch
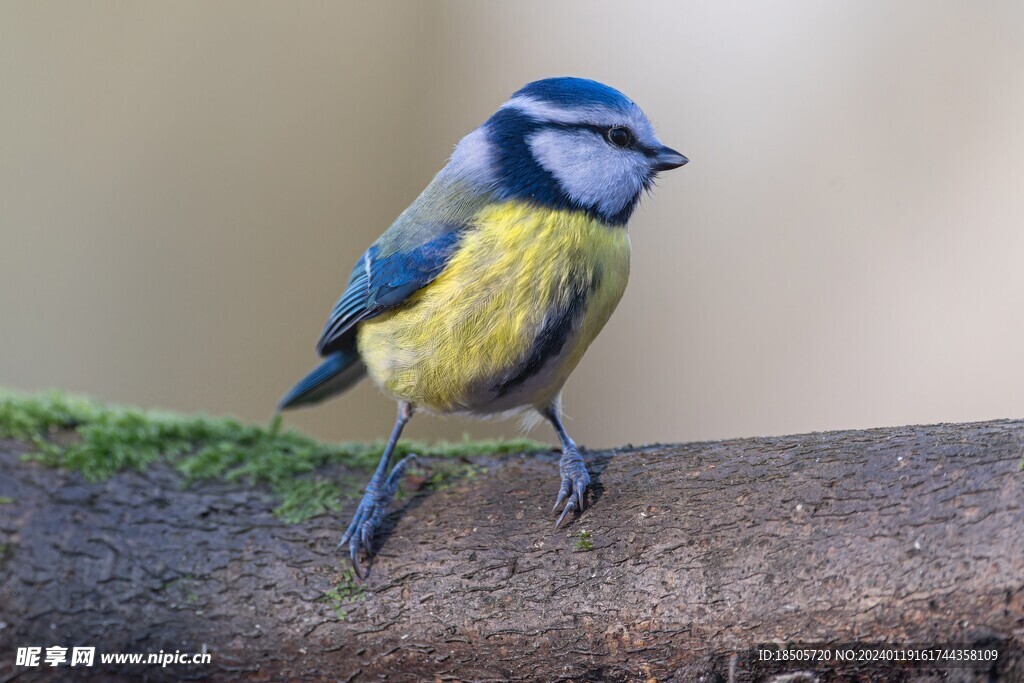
pixel 83 435
pixel 308 498
pixel 344 594
pixel 6 552
pixel 443 475
pixel 182 589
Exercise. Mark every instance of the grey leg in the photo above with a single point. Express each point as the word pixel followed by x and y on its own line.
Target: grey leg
pixel 379 493
pixel 575 478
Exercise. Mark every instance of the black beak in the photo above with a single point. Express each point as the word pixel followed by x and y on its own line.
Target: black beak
pixel 666 158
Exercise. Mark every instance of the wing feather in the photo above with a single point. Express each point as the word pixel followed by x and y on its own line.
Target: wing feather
pixel 409 255
pixel 380 282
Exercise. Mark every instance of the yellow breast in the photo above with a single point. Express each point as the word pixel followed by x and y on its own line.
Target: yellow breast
pixel 456 340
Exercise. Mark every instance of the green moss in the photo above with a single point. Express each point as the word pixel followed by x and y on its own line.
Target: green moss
pixel 6 500
pixel 6 551
pixel 109 439
pixel 344 594
pixel 304 499
pixel 443 475
pixel 583 541
pixel 182 589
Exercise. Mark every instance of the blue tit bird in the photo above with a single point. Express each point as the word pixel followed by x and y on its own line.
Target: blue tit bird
pixel 483 295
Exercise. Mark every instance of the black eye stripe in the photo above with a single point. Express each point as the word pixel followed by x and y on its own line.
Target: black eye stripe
pixel 605 131
pixel 602 131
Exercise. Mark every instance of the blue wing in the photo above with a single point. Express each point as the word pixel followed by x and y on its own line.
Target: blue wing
pixel 410 253
pixel 387 274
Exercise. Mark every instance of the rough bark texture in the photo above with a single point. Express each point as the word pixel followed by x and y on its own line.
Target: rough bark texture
pixel 699 553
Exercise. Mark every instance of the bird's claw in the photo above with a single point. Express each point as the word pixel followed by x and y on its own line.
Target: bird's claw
pixel 359 534
pixel 370 514
pixel 575 480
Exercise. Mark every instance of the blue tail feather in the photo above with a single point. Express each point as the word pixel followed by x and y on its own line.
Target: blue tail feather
pixel 338 372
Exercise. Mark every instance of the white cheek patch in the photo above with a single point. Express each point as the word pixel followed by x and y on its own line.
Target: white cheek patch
pixel 588 169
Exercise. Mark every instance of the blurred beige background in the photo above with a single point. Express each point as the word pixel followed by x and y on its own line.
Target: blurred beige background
pixel 184 187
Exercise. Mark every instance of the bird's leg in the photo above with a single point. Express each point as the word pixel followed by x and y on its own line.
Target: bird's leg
pixel 575 478
pixel 379 493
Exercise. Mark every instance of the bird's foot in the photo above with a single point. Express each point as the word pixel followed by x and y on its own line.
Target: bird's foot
pixel 575 480
pixel 371 511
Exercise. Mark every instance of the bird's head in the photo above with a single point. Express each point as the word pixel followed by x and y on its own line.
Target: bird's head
pixel 569 143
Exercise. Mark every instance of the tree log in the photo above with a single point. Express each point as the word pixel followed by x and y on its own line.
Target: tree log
pixel 697 555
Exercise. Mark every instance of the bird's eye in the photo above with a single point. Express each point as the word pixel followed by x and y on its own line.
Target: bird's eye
pixel 620 137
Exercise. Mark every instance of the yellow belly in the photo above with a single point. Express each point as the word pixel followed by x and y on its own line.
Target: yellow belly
pixel 445 347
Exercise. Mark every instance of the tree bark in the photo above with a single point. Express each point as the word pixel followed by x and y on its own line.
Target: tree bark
pixel 699 554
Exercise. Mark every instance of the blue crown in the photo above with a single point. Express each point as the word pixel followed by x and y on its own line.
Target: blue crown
pixel 568 92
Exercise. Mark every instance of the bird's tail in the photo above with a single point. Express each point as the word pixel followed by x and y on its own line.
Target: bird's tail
pixel 338 372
